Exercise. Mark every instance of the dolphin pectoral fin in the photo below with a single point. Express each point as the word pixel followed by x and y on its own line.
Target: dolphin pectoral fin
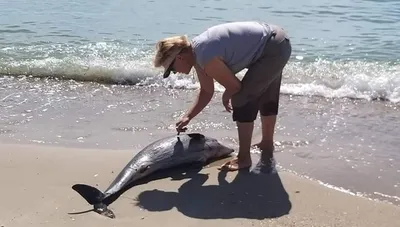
pixel 91 194
pixel 107 212
pixel 103 210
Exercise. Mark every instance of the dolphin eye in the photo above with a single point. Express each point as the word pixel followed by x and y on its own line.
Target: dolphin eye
pixel 143 169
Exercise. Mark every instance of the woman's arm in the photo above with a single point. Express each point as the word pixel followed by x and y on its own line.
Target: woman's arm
pixel 217 69
pixel 205 94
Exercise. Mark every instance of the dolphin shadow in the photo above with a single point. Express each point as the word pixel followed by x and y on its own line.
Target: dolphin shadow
pixel 249 195
pixel 180 172
pixel 176 173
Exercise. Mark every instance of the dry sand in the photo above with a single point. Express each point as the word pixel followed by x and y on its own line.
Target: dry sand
pixel 36 191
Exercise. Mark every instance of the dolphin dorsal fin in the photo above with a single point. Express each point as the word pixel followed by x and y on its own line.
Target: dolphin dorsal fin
pixel 196 136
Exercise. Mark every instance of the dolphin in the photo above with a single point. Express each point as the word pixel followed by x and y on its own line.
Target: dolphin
pixel 172 151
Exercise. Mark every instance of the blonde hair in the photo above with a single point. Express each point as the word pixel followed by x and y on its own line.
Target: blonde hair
pixel 168 48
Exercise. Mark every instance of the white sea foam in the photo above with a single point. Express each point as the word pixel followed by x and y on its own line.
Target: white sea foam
pixel 112 63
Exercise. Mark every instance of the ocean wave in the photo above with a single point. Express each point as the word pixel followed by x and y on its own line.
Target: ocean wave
pixel 353 79
pixel 97 62
pixel 116 64
pixel 94 70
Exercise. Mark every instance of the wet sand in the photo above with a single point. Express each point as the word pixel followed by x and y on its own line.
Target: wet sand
pixel 36 191
pixel 333 140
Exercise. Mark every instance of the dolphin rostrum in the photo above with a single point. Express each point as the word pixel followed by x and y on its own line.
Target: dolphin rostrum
pixel 162 154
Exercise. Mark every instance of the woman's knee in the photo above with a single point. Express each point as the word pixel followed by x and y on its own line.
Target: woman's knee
pixel 269 108
pixel 245 113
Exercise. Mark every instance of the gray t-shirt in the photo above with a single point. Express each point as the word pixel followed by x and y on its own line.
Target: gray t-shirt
pixel 238 43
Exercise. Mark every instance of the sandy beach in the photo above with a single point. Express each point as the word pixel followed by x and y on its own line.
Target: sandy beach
pixel 79 95
pixel 36 191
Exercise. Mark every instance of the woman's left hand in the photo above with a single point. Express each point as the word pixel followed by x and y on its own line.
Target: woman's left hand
pixel 226 98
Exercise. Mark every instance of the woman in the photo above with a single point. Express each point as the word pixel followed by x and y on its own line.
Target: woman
pixel 219 53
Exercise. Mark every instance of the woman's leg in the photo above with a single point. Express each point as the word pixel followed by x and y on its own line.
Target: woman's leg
pixel 243 159
pixel 262 79
pixel 269 104
pixel 244 117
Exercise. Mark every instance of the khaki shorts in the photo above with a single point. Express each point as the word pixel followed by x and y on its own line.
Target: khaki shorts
pixel 261 83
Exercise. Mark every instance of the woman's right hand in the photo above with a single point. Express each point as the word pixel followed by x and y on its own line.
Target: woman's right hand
pixel 180 125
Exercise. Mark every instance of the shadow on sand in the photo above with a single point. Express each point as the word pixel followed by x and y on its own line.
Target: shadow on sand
pixel 248 195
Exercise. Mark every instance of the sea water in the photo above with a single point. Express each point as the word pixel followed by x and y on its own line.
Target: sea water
pixel 79 74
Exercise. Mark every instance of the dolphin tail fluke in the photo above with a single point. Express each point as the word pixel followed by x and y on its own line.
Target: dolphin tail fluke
pixel 94 197
pixel 91 194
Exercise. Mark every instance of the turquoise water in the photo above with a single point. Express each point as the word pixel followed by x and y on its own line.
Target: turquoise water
pixel 341 48
pixel 361 30
pixel 79 74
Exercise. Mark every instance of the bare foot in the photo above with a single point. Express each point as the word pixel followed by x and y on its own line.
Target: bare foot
pixel 236 164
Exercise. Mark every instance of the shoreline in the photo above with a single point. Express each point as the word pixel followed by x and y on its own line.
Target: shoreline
pixel 37 191
pixel 318 139
pixel 376 196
